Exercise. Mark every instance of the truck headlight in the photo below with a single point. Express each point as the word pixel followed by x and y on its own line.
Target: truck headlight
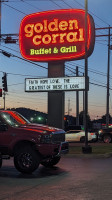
pixel 46 138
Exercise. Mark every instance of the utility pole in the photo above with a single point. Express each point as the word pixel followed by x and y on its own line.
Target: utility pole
pixel 86 148
pixel 83 106
pixel 108 70
pixel 86 74
pixel 4 99
pixel 0 21
pixel 77 102
pixel 108 81
pixel 68 107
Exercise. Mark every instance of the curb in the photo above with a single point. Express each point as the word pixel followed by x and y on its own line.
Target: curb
pixel 106 155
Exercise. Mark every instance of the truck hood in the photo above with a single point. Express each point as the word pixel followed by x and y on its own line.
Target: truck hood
pixel 40 128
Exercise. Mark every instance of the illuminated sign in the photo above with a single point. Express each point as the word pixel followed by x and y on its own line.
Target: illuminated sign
pixel 56 35
pixel 54 84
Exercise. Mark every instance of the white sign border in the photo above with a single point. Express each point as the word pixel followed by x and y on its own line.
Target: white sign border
pixel 74 83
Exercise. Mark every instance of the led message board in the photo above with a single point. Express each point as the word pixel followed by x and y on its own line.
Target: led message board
pixel 55 84
pixel 56 35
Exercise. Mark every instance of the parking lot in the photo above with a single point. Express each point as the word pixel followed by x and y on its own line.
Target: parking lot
pixel 75 178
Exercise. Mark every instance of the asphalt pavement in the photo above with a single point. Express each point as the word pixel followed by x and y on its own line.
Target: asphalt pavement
pixel 74 178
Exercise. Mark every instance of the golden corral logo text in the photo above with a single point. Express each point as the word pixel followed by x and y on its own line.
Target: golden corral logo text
pixel 56 35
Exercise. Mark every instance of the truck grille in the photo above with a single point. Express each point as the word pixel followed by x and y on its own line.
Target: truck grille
pixel 58 137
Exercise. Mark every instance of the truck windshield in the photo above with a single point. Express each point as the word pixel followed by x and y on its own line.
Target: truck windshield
pixel 14 118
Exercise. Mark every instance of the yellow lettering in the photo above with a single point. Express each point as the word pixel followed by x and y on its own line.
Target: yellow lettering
pixel 73 24
pixel 81 35
pixel 71 49
pixel 62 35
pixel 35 39
pixel 53 26
pixel 38 28
pixel 54 37
pixel 46 39
pixel 45 26
pixel 63 25
pixel 71 37
pixel 40 51
pixel 29 30
pixel 31 51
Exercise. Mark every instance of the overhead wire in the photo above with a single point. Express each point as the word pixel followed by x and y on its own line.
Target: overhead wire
pixel 90 70
pixel 14 8
pixel 92 13
pixel 38 65
pixel 31 5
pixel 26 1
pixel 56 4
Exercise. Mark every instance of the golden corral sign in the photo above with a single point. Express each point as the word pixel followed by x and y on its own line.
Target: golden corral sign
pixel 56 35
pixel 54 84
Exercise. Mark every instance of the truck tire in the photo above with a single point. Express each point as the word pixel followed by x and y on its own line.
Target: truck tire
pixel 26 160
pixel 51 162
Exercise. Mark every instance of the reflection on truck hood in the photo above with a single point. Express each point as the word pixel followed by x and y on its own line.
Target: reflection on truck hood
pixel 40 127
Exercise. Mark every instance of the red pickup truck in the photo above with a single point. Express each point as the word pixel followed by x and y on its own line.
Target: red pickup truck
pixel 30 144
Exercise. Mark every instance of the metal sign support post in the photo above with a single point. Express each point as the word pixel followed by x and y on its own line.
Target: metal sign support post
pixel 86 148
pixel 56 98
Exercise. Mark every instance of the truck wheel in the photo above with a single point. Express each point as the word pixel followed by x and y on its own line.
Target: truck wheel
pixel 51 162
pixel 26 160
pixel 107 138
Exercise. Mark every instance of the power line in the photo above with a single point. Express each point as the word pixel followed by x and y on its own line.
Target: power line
pixel 14 9
pixel 93 71
pixel 90 70
pixel 10 54
pixel 24 75
pixel 67 4
pixel 56 4
pixel 31 5
pixel 96 84
pixel 92 13
pixel 101 43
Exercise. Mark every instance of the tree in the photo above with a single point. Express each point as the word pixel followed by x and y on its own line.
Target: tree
pixel 81 118
pixel 104 118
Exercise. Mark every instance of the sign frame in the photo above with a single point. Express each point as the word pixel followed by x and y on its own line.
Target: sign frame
pixel 56 84
pixel 42 28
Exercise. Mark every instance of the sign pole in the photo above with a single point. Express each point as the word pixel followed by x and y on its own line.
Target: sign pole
pixel 56 98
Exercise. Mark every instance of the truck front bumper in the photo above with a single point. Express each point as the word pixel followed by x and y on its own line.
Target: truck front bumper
pixel 63 148
pixel 53 149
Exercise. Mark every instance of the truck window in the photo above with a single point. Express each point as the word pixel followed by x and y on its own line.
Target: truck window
pixel 13 119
